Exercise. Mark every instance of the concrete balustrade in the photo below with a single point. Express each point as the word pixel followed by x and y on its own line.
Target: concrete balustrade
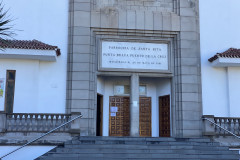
pixel 35 122
pixel 231 124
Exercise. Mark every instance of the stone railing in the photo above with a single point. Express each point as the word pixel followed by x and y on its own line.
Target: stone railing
pixel 35 122
pixel 228 123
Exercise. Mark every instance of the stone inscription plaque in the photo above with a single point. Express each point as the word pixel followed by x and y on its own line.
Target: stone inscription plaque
pixel 123 56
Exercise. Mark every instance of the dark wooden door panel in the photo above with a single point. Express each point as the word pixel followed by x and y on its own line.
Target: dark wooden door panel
pixel 119 124
pixel 164 116
pixel 145 117
pixel 99 115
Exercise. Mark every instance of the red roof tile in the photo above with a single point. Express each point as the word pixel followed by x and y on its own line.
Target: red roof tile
pixel 230 53
pixel 23 44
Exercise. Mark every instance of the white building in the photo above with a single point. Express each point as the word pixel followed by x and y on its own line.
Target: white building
pixel 40 74
pixel 219 31
pixel 43 90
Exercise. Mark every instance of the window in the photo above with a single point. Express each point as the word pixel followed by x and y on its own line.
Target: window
pixel 125 90
pixel 10 87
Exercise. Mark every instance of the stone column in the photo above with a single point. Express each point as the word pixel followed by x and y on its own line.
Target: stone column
pixel 134 106
pixel 81 76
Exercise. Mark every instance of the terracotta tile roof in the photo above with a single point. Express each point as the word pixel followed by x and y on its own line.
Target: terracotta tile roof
pixel 23 44
pixel 230 53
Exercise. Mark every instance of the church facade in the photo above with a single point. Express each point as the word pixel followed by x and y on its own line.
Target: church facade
pixel 139 68
pixel 134 67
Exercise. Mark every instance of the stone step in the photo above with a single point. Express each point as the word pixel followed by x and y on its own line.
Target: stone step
pixel 114 150
pixel 149 146
pixel 105 148
pixel 87 158
pixel 142 142
pixel 141 156
pixel 66 158
pixel 160 139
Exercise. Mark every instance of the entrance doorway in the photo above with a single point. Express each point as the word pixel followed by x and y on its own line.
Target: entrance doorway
pixel 164 116
pixel 119 116
pixel 99 115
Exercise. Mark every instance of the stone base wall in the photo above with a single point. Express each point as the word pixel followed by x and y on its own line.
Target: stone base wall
pixel 21 138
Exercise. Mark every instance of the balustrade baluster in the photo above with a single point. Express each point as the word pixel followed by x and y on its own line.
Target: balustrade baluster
pixel 62 121
pixel 22 120
pixel 228 126
pixel 220 123
pixel 215 128
pixel 57 121
pixel 217 121
pixel 22 126
pixel 46 125
pixel 10 123
pixel 41 123
pixel 14 122
pixel 65 127
pixel 224 125
pixel 54 121
pixel 33 122
pixel 51 121
pixel 19 122
pixel 68 118
pixel 25 121
pixel 65 120
pixel 233 125
pixel 237 126
pixel 7 123
pixel 30 127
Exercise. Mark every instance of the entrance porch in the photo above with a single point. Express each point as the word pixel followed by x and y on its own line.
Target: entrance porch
pixel 114 107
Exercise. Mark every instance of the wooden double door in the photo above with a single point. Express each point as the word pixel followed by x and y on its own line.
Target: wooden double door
pixel 119 116
pixel 119 121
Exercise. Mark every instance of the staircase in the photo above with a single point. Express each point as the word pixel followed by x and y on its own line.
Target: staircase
pixel 119 148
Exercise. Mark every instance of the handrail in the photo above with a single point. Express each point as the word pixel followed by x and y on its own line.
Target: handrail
pixel 41 136
pixel 221 127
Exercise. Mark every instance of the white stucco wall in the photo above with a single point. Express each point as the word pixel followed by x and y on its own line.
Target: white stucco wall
pixel 40 86
pixel 219 30
pixel 26 84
